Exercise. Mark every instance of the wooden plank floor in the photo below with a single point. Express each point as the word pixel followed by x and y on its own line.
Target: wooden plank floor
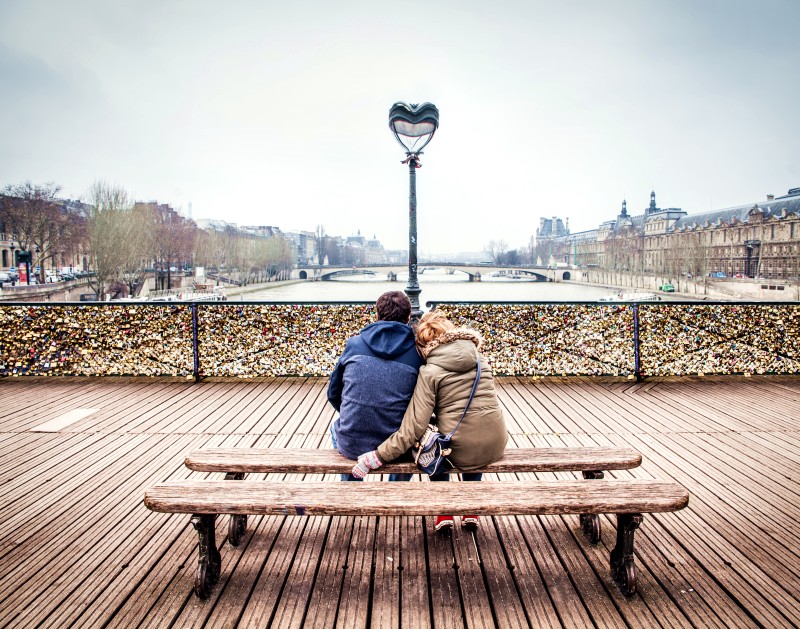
pixel 78 548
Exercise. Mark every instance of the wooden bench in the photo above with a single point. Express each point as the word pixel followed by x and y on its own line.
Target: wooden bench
pixel 237 462
pixel 205 499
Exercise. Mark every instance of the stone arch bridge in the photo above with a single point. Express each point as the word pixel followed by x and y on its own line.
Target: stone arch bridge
pixel 474 272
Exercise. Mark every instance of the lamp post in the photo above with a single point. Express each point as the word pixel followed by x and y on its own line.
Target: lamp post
pixel 413 127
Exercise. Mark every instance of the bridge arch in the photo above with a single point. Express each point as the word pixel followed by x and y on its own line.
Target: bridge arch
pixel 452 270
pixel 474 272
pixel 327 277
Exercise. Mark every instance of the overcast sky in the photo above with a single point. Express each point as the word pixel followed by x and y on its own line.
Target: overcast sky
pixel 275 113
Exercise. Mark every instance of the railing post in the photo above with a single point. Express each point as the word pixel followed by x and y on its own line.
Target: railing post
pixel 637 363
pixel 195 345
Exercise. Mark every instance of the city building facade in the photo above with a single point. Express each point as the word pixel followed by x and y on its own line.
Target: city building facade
pixel 756 240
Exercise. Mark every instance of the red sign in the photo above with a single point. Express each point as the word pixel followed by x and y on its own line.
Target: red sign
pixel 23 273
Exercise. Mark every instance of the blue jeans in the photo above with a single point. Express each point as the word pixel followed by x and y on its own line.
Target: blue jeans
pixel 350 477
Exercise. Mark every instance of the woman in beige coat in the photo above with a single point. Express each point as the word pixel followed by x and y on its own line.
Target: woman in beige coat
pixel 443 388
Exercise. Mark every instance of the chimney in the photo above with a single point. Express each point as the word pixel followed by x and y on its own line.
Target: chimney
pixel 770 197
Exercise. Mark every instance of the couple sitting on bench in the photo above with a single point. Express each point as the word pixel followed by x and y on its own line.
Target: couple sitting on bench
pixel 387 385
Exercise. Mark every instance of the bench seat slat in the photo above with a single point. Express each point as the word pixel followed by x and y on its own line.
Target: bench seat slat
pixel 416 499
pixel 329 461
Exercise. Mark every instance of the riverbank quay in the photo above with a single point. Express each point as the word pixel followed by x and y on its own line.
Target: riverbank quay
pixel 241 292
pixel 688 287
pixel 80 549
pixel 70 290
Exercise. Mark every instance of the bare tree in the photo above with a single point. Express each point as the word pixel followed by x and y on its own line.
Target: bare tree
pixel 497 249
pixel 173 239
pixel 135 259
pixel 114 236
pixel 321 242
pixel 279 254
pixel 512 257
pixel 331 250
pixel 213 248
pixel 530 251
pixel 242 257
pixel 42 223
pixel 544 251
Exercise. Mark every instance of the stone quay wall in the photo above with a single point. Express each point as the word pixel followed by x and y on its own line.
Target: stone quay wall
pixel 706 288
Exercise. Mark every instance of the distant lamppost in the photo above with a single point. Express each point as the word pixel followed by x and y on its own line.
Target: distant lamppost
pixel 413 126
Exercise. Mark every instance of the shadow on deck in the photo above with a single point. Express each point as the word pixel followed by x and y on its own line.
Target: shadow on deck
pixel 79 548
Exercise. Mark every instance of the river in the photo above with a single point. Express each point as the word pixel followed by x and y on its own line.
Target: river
pixel 436 286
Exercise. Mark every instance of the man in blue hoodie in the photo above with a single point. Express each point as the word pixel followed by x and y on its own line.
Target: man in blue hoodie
pixel 374 380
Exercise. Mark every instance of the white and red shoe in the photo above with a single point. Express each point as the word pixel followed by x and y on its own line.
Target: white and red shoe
pixel 444 523
pixel 469 522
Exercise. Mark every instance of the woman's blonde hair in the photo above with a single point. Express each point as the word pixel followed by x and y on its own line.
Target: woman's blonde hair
pixel 431 326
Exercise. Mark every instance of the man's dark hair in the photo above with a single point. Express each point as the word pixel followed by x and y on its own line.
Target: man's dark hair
pixel 393 306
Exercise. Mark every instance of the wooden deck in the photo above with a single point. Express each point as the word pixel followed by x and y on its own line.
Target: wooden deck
pixel 78 548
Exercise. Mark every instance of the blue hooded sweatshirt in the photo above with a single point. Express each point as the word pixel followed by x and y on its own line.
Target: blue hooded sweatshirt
pixel 372 385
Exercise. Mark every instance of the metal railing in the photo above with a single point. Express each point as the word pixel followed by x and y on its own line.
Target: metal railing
pixel 256 339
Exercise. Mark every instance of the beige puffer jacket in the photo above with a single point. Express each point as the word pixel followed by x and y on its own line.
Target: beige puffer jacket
pixel 443 387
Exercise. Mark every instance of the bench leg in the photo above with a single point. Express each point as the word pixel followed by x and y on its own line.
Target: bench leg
pixel 590 522
pixel 208 567
pixel 238 523
pixel 622 567
pixel 236 528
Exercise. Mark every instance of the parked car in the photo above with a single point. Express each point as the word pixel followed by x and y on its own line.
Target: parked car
pixel 738 276
pixel 718 274
pixel 667 288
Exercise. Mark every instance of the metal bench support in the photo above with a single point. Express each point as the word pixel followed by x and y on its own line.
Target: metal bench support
pixel 590 522
pixel 238 523
pixel 622 567
pixel 208 567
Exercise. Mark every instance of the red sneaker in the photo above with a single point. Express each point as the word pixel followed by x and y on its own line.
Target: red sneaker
pixel 469 522
pixel 444 523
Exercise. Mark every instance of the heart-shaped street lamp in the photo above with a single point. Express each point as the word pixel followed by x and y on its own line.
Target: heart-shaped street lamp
pixel 413 127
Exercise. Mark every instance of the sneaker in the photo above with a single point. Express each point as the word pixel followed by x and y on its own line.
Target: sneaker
pixel 444 523
pixel 469 522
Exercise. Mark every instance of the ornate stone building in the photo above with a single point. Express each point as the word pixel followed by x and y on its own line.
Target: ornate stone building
pixel 754 240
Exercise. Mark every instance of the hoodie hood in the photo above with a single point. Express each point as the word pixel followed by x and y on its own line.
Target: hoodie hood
pixel 456 350
pixel 388 339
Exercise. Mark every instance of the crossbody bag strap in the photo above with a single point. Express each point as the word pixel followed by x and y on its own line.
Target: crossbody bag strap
pixel 471 395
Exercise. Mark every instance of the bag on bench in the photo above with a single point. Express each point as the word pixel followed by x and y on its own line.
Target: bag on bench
pixel 432 448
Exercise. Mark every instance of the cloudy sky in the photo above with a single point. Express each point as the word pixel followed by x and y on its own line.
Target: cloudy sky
pixel 275 113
